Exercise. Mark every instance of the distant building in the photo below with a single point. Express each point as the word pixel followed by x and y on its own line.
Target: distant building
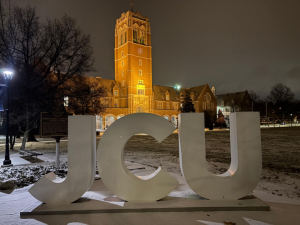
pixel 132 90
pixel 234 102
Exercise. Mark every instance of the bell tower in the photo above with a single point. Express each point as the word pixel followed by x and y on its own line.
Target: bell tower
pixel 133 60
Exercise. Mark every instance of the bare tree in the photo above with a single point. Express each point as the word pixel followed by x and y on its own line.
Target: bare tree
pixel 43 56
pixel 282 98
pixel 254 96
pixel 281 95
pixel 85 94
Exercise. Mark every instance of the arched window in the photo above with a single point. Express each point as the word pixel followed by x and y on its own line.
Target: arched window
pixel 99 123
pixel 142 33
pixel 125 37
pixel 142 37
pixel 108 121
pixel 174 120
pixel 135 36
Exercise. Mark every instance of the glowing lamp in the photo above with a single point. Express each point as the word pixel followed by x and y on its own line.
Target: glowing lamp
pixel 8 74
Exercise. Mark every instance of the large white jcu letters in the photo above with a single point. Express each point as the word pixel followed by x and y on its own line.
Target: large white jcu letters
pixel 241 178
pixel 246 162
pixel 114 174
pixel 81 165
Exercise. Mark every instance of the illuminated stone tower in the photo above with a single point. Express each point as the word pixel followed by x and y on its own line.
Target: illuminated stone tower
pixel 133 62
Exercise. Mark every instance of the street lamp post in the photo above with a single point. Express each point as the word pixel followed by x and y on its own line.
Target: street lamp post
pixel 7 77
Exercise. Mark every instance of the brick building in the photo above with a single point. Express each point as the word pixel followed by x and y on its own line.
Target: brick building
pixel 234 102
pixel 132 90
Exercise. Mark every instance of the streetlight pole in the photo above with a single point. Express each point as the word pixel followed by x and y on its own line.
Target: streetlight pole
pixel 267 114
pixel 7 161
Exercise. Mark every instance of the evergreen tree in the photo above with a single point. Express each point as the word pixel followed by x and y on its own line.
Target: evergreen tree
pixel 186 102
pixel 220 120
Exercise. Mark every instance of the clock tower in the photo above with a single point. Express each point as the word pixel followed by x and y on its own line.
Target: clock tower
pixel 133 61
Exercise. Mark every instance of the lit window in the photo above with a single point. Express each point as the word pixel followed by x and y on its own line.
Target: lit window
pixel 159 105
pixel 122 73
pixel 141 82
pixel 140 62
pixel 141 91
pixel 167 97
pixel 116 103
pixel 141 73
pixel 204 106
pixel 168 105
pixel 66 101
pixel 123 83
pixel 122 63
pixel 140 88
pixel 115 93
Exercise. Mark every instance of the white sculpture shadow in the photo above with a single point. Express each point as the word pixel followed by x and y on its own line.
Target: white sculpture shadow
pixel 81 165
pixel 113 172
pixel 246 160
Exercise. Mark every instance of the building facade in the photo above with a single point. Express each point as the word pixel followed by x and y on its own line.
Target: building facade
pixel 132 90
pixel 234 102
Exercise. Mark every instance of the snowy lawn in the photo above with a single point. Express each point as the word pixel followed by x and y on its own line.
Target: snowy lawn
pixel 280 152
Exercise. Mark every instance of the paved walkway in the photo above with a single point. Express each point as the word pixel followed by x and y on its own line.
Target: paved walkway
pixel 283 212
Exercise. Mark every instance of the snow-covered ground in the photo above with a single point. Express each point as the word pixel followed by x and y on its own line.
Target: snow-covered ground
pixel 280 180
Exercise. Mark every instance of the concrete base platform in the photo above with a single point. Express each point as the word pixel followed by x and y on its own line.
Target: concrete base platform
pixel 8 165
pixel 100 200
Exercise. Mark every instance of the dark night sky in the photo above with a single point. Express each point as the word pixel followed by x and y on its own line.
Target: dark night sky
pixel 230 44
